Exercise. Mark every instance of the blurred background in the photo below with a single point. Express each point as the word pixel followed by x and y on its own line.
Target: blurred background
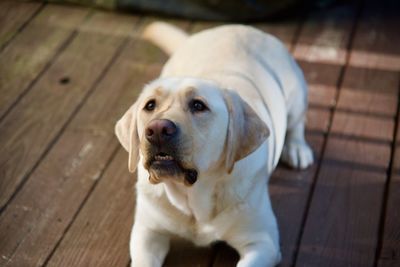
pixel 217 10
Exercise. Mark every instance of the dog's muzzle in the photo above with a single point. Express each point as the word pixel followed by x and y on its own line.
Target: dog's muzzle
pixel 163 159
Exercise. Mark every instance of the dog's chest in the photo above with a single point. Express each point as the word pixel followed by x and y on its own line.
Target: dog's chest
pixel 197 202
pixel 201 205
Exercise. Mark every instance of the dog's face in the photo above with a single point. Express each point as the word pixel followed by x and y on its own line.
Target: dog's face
pixel 183 127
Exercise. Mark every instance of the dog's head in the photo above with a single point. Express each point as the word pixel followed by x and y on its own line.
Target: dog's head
pixel 185 126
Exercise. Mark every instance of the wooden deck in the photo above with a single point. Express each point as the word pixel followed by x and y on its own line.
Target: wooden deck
pixel 66 197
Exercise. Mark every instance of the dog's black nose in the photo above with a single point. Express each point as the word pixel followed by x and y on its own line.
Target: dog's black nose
pixel 159 132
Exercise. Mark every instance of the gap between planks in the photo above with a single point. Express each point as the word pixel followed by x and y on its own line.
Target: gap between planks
pixel 391 171
pixel 22 24
pixel 329 128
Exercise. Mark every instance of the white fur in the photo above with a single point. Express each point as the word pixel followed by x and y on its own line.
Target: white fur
pixel 234 207
pixel 156 33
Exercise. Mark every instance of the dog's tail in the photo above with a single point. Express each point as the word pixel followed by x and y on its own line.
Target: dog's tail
pixel 166 36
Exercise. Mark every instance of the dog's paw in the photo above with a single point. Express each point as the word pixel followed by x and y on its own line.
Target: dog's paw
pixel 297 154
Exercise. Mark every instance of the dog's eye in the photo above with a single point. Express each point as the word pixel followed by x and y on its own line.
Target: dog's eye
pixel 197 106
pixel 150 105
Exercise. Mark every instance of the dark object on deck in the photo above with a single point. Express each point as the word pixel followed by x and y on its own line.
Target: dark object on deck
pixel 224 10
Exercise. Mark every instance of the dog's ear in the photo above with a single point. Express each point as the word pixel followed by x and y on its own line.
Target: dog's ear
pixel 126 131
pixel 246 131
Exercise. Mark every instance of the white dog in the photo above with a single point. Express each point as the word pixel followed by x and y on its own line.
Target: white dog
pixel 205 137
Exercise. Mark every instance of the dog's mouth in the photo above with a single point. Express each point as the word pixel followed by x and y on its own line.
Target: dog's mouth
pixel 164 165
pixel 163 159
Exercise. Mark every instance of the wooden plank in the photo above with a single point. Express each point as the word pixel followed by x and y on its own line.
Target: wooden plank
pixel 100 234
pixel 374 90
pixel 375 49
pixel 113 24
pixel 343 220
pixel 36 219
pixel 39 117
pixel 389 254
pixel 325 36
pixel 13 17
pixel 32 50
pixel 375 45
pixel 344 127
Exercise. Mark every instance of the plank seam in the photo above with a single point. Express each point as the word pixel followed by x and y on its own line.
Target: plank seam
pixel 22 27
pixel 76 214
pixel 109 160
pixel 19 98
pixel 389 173
pixel 296 35
pixel 56 55
pixel 375 115
pixel 328 131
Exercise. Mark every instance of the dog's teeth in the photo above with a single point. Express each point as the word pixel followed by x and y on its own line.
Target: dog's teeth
pixel 167 157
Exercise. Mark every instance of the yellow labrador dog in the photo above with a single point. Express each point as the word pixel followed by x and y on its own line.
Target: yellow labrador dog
pixel 205 137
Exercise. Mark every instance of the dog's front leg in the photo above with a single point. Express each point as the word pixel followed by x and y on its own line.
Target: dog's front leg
pixel 148 248
pixel 256 249
pixel 261 253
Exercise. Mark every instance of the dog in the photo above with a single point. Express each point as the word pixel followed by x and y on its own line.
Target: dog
pixel 205 137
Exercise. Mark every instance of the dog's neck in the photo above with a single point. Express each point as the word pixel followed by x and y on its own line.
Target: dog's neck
pixel 197 200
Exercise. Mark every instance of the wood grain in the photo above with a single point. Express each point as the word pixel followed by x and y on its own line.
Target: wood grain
pixel 374 90
pixel 326 34
pixel 33 49
pixel 375 43
pixel 100 234
pixel 13 17
pixel 389 254
pixel 38 118
pixel 376 50
pixel 343 219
